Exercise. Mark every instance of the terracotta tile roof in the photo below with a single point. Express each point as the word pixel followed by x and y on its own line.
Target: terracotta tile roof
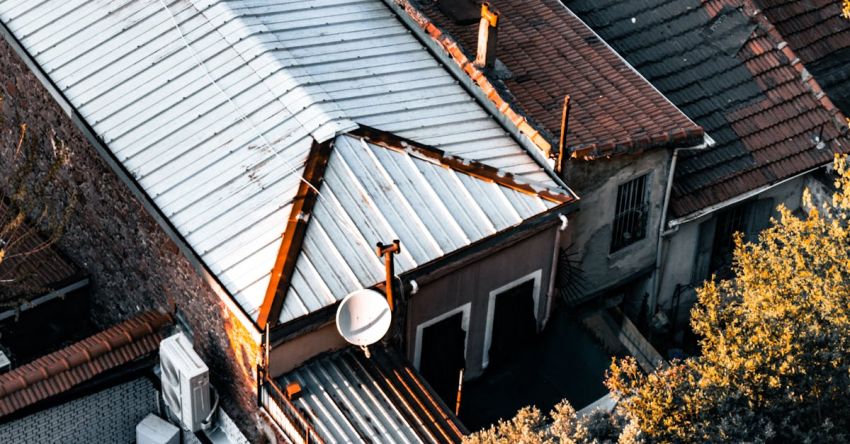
pixel 813 28
pixel 58 372
pixel 726 67
pixel 550 53
pixel 39 272
pixel 820 37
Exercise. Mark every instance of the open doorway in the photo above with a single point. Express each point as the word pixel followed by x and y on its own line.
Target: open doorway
pixel 441 351
pixel 511 318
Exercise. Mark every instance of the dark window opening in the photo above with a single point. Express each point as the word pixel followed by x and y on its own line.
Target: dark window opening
pixel 442 356
pixel 728 223
pixel 631 213
pixel 514 323
pixel 749 219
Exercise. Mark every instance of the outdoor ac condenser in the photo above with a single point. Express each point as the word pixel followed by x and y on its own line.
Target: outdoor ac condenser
pixel 185 381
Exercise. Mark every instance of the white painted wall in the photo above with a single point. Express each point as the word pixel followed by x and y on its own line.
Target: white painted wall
pixel 680 247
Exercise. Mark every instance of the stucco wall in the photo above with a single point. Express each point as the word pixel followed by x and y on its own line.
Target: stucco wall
pixel 473 284
pixel 133 264
pixel 597 182
pixel 680 248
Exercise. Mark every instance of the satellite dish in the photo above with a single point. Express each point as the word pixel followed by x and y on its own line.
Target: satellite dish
pixel 363 317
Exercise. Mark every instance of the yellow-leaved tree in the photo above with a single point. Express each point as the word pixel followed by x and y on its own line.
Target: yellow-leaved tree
pixel 775 350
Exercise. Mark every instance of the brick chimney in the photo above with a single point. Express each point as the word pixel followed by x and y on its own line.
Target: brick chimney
pixel 486 56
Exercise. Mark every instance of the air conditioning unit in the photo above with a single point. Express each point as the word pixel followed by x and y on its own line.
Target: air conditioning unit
pixel 185 381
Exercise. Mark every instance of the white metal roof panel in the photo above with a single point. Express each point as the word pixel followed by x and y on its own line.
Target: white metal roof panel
pixel 374 194
pixel 212 106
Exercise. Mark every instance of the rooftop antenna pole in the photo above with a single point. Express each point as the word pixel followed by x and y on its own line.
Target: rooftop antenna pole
pixel 562 142
pixel 387 251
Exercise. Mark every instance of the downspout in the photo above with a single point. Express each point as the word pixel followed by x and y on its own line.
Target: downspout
pixel 554 268
pixel 662 225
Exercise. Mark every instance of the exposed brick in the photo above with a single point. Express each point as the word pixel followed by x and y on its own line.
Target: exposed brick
pixel 132 263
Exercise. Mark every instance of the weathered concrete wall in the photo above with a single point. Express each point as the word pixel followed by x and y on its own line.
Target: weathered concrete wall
pixel 680 248
pixel 596 182
pixel 133 264
pixel 473 284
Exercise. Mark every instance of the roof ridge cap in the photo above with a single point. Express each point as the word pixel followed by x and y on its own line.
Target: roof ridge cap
pixel 505 105
pixel 454 49
pixel 460 164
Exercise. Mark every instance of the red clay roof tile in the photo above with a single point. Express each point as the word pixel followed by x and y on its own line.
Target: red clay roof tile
pixel 758 103
pixel 551 54
pixel 59 371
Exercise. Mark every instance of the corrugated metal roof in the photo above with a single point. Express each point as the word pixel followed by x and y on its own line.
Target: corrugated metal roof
pixel 222 159
pixel 350 398
pixel 372 194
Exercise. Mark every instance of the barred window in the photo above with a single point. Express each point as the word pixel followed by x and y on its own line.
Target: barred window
pixel 631 213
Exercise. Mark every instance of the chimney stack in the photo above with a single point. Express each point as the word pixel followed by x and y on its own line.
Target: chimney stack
pixel 486 56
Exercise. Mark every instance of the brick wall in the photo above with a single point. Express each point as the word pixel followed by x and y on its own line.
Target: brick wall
pixel 108 416
pixel 132 263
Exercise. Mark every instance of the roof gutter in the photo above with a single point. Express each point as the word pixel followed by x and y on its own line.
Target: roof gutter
pixel 58 293
pixel 674 224
pixel 131 183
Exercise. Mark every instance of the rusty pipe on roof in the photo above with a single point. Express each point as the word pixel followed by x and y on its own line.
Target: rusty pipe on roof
pixel 387 251
pixel 562 140
pixel 485 57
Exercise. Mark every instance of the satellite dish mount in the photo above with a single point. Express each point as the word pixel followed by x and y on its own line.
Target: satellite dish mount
pixel 364 316
pixel 387 251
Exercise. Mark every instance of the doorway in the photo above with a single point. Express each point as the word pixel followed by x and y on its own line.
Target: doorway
pixel 512 319
pixel 441 352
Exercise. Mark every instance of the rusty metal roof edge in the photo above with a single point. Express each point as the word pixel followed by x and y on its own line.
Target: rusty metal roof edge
pixel 473 168
pixel 531 139
pixel 294 234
